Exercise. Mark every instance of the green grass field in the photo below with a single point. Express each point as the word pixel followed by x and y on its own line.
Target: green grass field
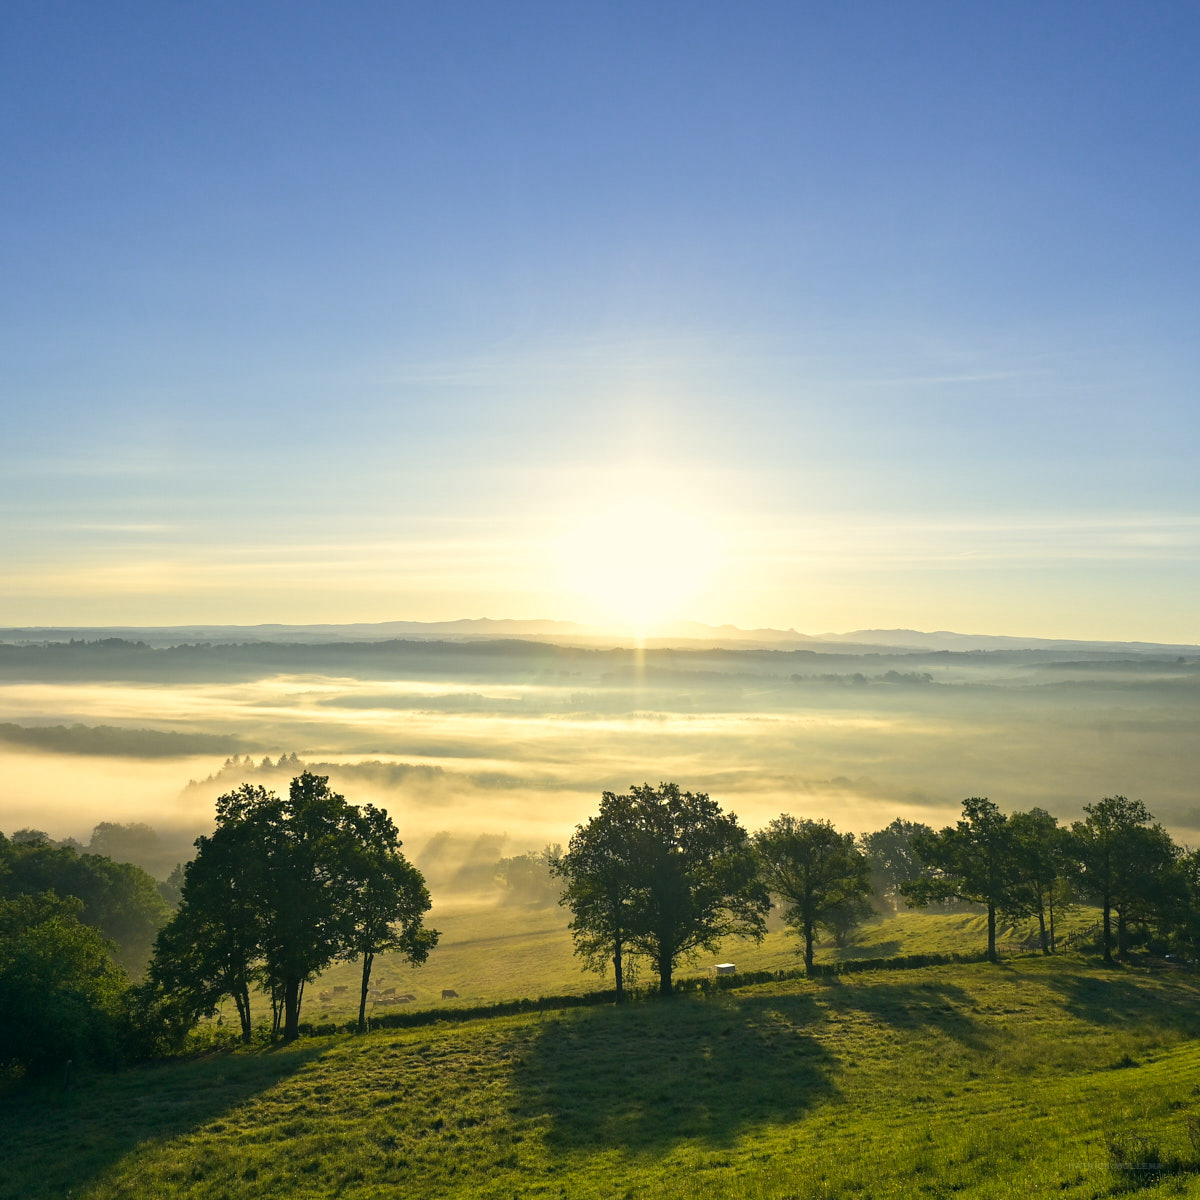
pixel 968 1080
pixel 492 952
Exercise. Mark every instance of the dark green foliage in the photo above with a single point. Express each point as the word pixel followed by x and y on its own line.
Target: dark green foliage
pixel 975 860
pixel 602 887
pixel 817 873
pixel 171 888
pixel 894 859
pixel 119 899
pixel 1044 867
pixel 387 898
pixel 281 889
pixel 60 991
pixel 1126 865
pixel 210 947
pixel 664 872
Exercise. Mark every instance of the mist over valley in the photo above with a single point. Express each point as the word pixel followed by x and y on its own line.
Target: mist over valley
pixel 515 739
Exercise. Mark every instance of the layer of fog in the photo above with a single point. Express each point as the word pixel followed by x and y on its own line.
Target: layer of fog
pixel 513 744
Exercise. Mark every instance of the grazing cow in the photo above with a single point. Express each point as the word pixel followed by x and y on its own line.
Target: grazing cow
pixel 449 994
pixel 406 996
pixel 341 987
pixel 388 992
pixel 326 997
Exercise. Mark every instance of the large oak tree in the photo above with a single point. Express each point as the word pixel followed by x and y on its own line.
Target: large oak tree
pixel 665 872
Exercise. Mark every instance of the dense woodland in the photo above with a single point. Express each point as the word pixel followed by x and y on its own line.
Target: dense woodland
pixel 99 963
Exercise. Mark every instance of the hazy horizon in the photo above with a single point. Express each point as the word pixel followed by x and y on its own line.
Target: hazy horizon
pixel 841 319
pixel 694 326
pixel 519 738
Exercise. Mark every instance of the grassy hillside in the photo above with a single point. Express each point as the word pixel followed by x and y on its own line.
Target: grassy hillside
pixel 971 1080
pixel 494 952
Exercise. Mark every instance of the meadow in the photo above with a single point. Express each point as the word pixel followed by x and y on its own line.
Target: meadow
pixel 1033 1077
pixel 492 952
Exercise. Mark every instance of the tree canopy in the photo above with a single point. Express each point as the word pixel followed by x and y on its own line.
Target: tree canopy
pixel 818 873
pixel 974 860
pixel 665 872
pixel 282 888
pixel 1125 863
pixel 60 991
pixel 117 898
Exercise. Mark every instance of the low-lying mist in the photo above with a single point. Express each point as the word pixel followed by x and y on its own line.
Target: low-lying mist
pixel 516 741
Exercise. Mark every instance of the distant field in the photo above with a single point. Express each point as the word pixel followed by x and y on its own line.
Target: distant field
pixel 501 952
pixel 972 1080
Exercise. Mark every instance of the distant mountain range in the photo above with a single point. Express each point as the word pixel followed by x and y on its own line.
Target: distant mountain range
pixel 676 633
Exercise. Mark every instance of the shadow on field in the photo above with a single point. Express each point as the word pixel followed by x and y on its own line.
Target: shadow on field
pixel 650 1074
pixel 1146 1003
pixel 911 1006
pixel 58 1142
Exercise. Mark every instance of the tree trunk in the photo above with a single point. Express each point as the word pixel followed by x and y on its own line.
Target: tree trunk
pixel 291 1010
pixel 808 947
pixel 241 997
pixel 1122 936
pixel 665 967
pixel 1053 940
pixel 991 950
pixel 368 962
pixel 619 971
pixel 1042 927
pixel 1107 931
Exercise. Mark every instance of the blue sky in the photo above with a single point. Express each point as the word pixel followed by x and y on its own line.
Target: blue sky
pixel 374 311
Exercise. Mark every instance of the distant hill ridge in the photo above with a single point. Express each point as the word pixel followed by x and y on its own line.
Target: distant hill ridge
pixel 570 632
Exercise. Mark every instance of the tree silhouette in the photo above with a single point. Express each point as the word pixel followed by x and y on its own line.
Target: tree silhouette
pixel 681 871
pixel 1125 863
pixel 817 872
pixel 974 860
pixel 601 886
pixel 281 889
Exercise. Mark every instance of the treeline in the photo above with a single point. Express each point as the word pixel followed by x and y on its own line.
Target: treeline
pixel 659 874
pixel 285 886
pixel 101 740
pixel 73 927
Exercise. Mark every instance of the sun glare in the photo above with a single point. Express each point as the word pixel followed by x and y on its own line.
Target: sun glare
pixel 640 562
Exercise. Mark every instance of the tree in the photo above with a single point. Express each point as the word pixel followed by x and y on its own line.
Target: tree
pixel 387 902
pixel 119 899
pixel 601 886
pixel 60 990
pixel 305 869
pixel 973 861
pixel 894 859
pixel 1125 864
pixel 1043 861
pixel 281 889
pixel 817 872
pixel 1185 916
pixel 684 872
pixel 210 948
pixel 529 878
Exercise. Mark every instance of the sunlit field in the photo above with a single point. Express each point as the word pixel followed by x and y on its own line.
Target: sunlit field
pixel 974 1080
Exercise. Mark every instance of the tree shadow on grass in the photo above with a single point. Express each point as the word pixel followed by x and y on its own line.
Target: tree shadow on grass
pixel 57 1141
pixel 1136 1002
pixel 911 1007
pixel 651 1074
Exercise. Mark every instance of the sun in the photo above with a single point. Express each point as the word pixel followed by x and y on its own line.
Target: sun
pixel 639 562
